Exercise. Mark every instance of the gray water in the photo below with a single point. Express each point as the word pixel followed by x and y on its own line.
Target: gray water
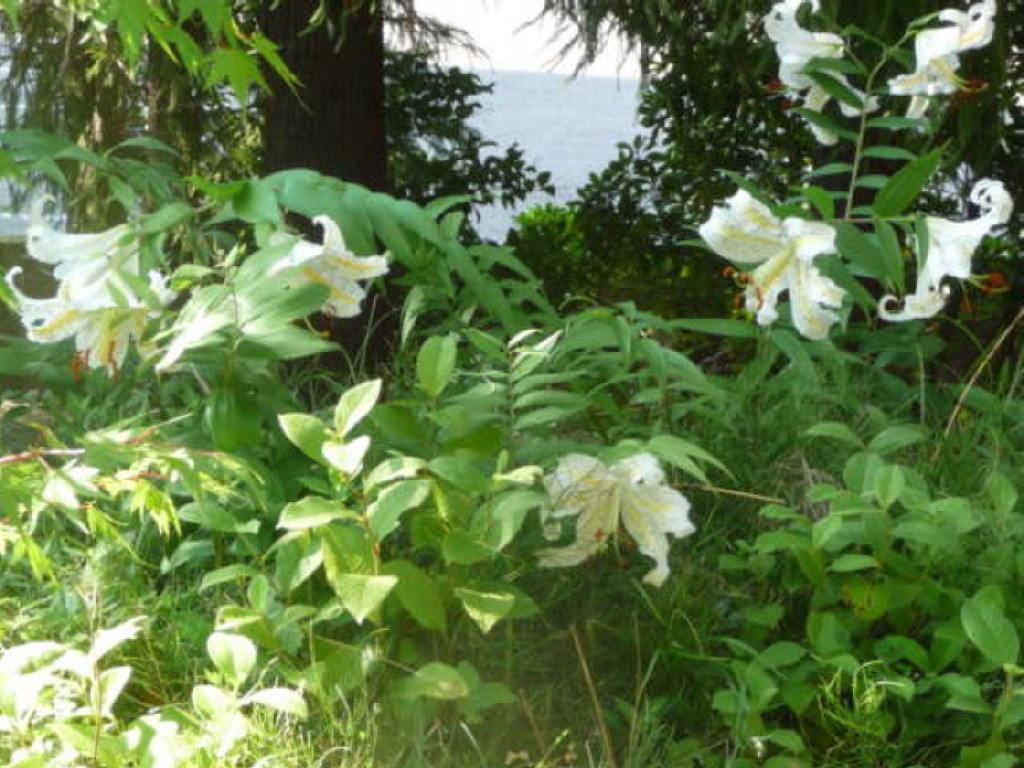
pixel 569 127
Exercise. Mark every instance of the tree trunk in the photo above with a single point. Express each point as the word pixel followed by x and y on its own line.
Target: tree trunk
pixel 337 128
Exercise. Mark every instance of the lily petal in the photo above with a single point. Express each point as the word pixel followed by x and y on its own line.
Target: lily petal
pixel 332 264
pixel 744 230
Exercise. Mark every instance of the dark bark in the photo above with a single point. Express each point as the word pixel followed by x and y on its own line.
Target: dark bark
pixel 338 126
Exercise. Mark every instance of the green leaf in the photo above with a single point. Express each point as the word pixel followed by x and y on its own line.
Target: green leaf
pixel 1002 493
pixel 311 512
pixel 836 431
pixel 233 655
pixel 354 405
pixel 346 549
pixel 233 572
pixel 283 700
pixel 889 153
pixel 459 547
pixel 860 250
pixel 166 217
pixel 895 438
pixel 107 640
pixel 387 509
pixel 306 432
pixel 829 169
pixel 433 681
pixel 419 594
pixel 987 627
pixel 235 67
pixel 211 515
pixel 836 88
pixel 893 123
pixel 825 122
pixel 892 256
pixel 889 484
pixel 904 187
pixel 485 608
pixel 435 364
pixel 362 595
pixel 348 457
pixel 853 562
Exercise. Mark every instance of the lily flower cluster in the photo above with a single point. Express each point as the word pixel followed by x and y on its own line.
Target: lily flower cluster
pixel 796 47
pixel 951 246
pixel 631 492
pixel 101 302
pixel 937 54
pixel 783 252
pixel 331 263
pixel 936 50
pixel 745 232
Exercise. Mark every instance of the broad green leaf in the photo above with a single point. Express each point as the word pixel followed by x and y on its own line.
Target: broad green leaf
pixel 433 681
pixel 306 432
pixel 459 547
pixel 485 608
pixel 362 595
pixel 435 364
pixel 861 250
pixel 987 627
pixel 387 509
pixel 896 438
pixel 166 217
pixel 354 404
pixel 1002 493
pixel 836 431
pixel 233 655
pixel 311 512
pixel 107 640
pixel 348 457
pixel 346 549
pixel 890 481
pixel 109 686
pixel 213 516
pixel 419 594
pixel 904 187
pixel 389 470
pixel 233 572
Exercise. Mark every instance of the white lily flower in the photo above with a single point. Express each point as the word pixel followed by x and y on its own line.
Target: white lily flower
pixel 936 54
pixel 102 318
pixel 332 264
pixel 745 232
pixel 631 491
pixel 796 47
pixel 951 245
pixel 90 256
pixel 94 304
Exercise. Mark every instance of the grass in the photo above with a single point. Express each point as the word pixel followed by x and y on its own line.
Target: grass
pixel 609 673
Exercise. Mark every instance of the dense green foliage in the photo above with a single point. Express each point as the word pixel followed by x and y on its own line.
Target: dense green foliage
pixel 221 547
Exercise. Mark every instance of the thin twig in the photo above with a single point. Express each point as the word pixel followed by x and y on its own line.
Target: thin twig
pixel 731 492
pixel 985 361
pixel 39 453
pixel 606 739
